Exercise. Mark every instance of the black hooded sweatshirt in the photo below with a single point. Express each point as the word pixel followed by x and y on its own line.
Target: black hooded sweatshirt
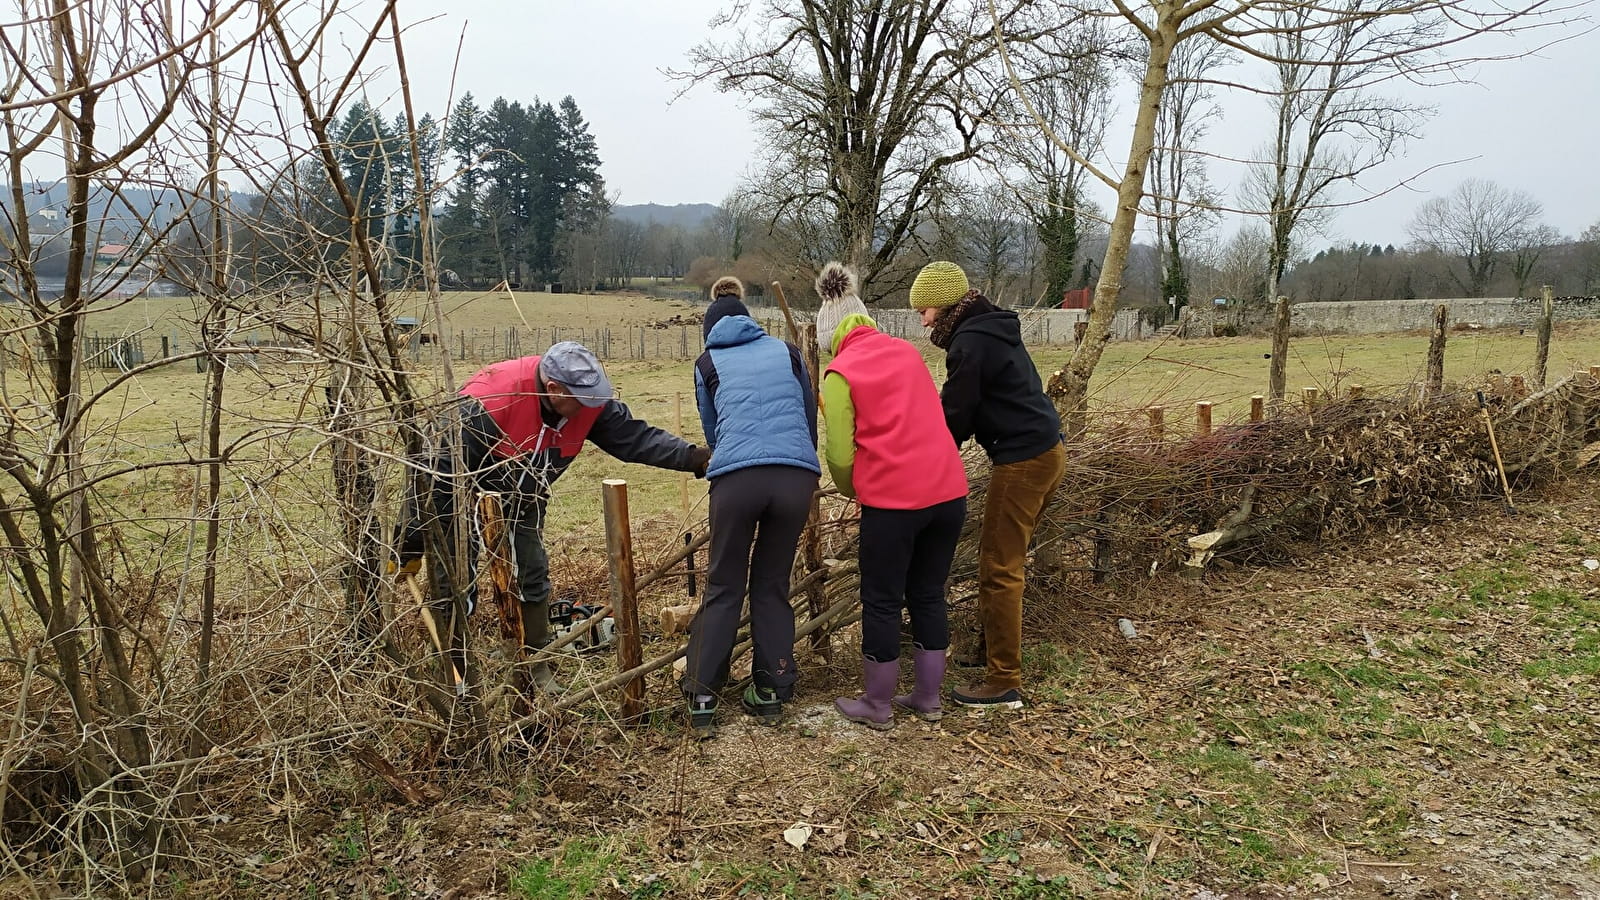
pixel 992 390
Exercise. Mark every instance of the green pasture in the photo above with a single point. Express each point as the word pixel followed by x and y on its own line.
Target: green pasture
pixel 279 406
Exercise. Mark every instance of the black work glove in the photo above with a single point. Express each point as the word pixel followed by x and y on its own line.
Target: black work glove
pixel 700 458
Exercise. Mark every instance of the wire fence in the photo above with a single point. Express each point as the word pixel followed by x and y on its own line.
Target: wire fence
pixel 682 341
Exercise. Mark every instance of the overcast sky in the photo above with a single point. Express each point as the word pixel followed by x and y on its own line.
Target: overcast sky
pixel 1527 123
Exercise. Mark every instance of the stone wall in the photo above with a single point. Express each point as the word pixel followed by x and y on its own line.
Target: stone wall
pixel 1040 327
pixel 1378 316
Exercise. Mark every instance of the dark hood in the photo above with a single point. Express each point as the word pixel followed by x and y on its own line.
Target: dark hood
pixel 1002 324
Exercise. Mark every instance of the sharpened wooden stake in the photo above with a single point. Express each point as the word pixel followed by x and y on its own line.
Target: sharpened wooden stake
pixel 1202 418
pixel 1158 429
pixel 1258 407
pixel 624 598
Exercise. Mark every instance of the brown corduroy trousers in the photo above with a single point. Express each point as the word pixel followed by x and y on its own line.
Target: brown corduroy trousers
pixel 1017 496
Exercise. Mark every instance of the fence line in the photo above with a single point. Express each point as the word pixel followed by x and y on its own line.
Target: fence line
pixel 480 345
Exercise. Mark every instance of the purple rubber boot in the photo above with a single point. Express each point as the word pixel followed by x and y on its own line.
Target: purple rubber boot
pixel 872 708
pixel 924 697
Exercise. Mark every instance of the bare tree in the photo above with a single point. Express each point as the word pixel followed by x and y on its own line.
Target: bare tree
pixel 1180 193
pixel 1527 249
pixel 1589 251
pixel 1236 270
pixel 992 238
pixel 1068 77
pixel 1478 223
pixel 866 109
pixel 1330 126
pixel 1248 27
pixel 143 554
pixel 734 225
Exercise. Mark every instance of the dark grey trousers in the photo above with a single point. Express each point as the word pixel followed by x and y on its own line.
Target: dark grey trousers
pixel 757 515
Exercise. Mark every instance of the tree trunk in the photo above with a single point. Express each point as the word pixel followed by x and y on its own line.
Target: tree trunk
pixel 1069 388
pixel 1277 372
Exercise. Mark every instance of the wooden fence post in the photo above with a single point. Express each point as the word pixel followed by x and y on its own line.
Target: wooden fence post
pixel 1277 372
pixel 624 600
pixel 1158 415
pixel 1541 354
pixel 683 477
pixel 1202 418
pixel 1310 396
pixel 1258 406
pixel 1357 391
pixel 811 545
pixel 1441 319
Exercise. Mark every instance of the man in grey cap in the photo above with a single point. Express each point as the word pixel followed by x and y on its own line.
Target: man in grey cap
pixel 521 423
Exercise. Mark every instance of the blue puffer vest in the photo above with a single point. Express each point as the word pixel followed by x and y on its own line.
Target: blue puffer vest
pixel 756 404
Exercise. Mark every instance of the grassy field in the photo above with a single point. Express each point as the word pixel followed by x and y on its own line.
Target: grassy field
pixel 160 410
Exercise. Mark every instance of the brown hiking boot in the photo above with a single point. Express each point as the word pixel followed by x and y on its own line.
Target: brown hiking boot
pixel 987 696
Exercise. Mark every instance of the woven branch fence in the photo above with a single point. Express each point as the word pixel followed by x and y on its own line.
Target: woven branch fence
pixel 1136 501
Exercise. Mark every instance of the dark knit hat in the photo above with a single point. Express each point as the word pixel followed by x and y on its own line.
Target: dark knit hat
pixel 721 308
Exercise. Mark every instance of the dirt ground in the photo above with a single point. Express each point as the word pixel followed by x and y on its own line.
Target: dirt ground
pixel 1410 715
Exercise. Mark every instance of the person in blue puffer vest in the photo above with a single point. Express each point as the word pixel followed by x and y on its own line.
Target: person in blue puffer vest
pixel 760 418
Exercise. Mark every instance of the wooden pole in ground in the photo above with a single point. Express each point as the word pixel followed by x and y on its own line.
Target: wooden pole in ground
pixel 624 600
pixel 1435 383
pixel 1078 331
pixel 1541 353
pixel 683 477
pixel 1594 372
pixel 788 317
pixel 1277 372
pixel 1310 395
pixel 1202 418
pixel 1158 415
pixel 1258 407
pixel 811 545
pixel 1356 391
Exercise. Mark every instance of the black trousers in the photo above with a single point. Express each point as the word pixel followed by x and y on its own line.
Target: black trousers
pixel 905 560
pixel 523 495
pixel 757 515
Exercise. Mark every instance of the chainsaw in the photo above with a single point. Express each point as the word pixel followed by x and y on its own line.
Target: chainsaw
pixel 566 616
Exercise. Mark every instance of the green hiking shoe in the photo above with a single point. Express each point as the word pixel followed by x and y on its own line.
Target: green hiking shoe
pixel 702 717
pixel 763 704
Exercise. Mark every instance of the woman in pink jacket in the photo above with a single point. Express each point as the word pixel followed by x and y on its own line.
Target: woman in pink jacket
pixel 887 446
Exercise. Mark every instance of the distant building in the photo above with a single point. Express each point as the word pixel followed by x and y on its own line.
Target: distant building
pixel 1082 298
pixel 110 254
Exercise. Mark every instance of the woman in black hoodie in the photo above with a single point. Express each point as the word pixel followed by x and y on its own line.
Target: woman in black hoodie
pixel 992 392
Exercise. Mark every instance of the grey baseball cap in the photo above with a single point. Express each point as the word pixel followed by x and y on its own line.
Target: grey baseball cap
pixel 575 366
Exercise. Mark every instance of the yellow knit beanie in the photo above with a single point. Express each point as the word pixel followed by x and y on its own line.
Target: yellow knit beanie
pixel 938 285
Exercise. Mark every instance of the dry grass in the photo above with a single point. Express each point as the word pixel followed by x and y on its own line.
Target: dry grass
pixel 1404 710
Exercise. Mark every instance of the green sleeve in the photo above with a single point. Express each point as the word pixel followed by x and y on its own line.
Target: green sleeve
pixel 839 414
